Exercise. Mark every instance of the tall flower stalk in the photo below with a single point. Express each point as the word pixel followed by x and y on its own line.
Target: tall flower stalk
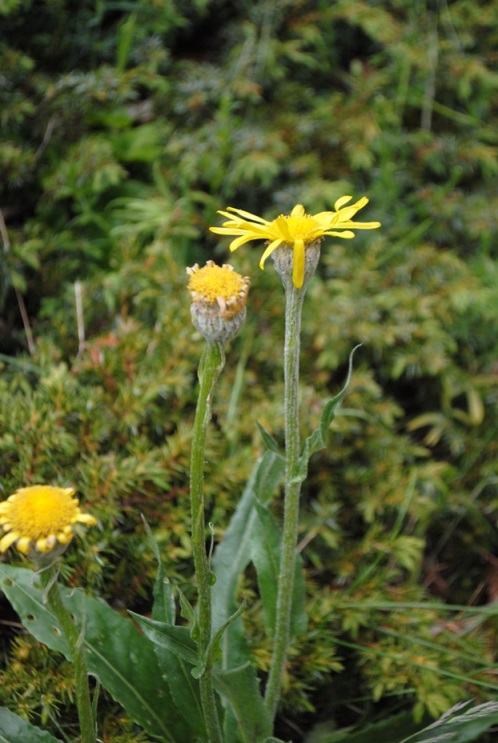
pixel 293 310
pixel 293 242
pixel 218 311
pixel 211 366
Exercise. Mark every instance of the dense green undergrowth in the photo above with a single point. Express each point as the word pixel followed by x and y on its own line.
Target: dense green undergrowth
pixel 125 127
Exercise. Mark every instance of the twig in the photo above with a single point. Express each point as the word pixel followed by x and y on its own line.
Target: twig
pixel 80 320
pixel 19 297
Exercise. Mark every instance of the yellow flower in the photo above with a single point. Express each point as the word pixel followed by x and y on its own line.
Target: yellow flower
pixel 40 518
pixel 296 230
pixel 219 285
pixel 219 296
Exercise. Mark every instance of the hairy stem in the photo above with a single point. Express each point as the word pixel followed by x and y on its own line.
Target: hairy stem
pixel 211 366
pixel 293 309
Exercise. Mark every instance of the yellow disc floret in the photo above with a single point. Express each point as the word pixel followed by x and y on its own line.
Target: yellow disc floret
pixel 219 285
pixel 39 518
pixel 218 306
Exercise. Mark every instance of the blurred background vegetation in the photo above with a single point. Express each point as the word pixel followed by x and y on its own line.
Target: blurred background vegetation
pixel 125 126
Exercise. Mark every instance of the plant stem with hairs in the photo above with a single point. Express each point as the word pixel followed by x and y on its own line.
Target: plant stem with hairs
pixel 211 365
pixel 293 309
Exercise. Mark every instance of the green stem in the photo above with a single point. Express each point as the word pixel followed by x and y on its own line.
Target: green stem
pixel 294 303
pixel 210 368
pixel 74 640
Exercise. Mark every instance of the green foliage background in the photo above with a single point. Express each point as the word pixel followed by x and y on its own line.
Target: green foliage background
pixel 125 126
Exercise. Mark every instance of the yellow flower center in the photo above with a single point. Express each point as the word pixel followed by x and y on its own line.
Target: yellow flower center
pixel 302 227
pixel 42 510
pixel 211 282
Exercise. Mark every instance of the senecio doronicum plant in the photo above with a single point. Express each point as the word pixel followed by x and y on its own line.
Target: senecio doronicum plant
pixel 39 521
pixel 193 679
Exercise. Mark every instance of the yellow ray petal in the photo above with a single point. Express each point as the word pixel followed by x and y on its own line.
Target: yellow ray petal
pixel 247 215
pixel 269 250
pixel 340 202
pixel 298 264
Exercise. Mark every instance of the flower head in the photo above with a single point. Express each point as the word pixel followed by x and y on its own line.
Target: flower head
pixel 40 518
pixel 218 300
pixel 297 230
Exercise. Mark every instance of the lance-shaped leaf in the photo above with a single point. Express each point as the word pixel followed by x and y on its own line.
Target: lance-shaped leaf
pixel 266 547
pixel 250 720
pixel 183 687
pixel 13 729
pixel 318 438
pixel 120 656
pixel 463 723
pixel 270 443
pixel 163 608
pixel 233 555
pixel 176 639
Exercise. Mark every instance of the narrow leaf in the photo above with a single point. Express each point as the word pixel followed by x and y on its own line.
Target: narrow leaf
pixel 183 688
pixel 240 687
pixel 233 554
pixel 163 608
pixel 459 728
pixel 268 440
pixel 384 731
pixel 187 610
pixel 176 639
pixel 318 438
pixel 14 729
pixel 266 548
pixel 330 409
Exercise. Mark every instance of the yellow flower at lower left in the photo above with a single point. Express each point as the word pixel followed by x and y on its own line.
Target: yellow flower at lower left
pixel 40 518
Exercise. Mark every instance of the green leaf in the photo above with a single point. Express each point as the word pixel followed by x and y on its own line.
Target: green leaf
pixel 120 656
pixel 233 554
pixel 184 688
pixel 176 639
pixel 163 608
pixel 240 686
pixel 266 547
pixel 125 34
pixel 450 728
pixel 387 731
pixel 213 653
pixel 14 729
pixel 318 438
pixel 268 440
pixel 459 728
pixel 187 611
